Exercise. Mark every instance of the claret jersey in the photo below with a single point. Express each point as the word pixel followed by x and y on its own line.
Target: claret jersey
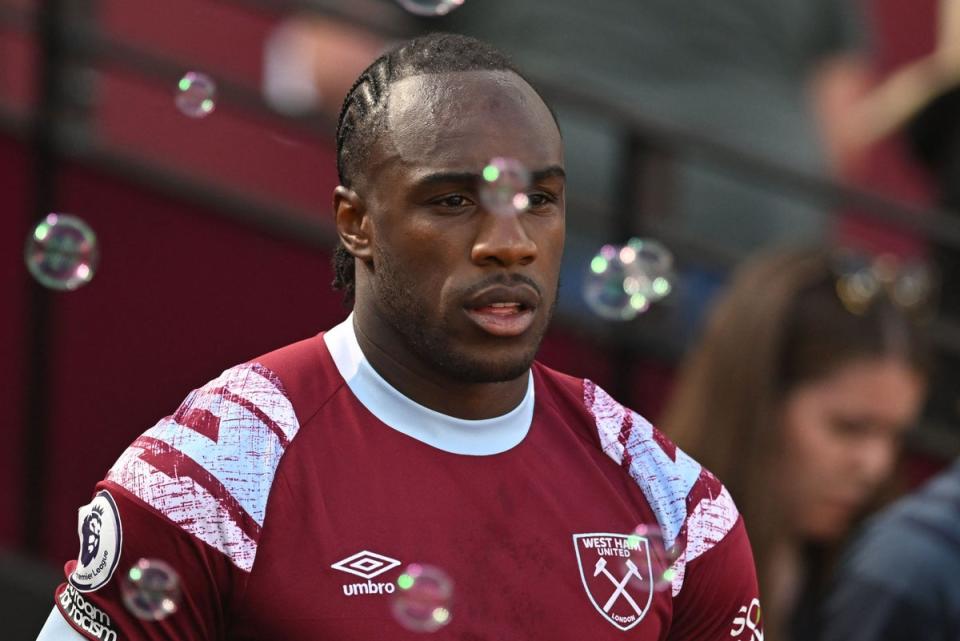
pixel 291 492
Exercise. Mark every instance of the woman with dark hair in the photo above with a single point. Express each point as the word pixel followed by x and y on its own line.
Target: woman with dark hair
pixel 796 399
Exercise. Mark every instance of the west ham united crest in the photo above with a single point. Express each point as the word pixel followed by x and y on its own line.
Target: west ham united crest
pixel 617 575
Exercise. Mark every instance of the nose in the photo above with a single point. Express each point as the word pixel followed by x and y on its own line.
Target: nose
pixel 502 240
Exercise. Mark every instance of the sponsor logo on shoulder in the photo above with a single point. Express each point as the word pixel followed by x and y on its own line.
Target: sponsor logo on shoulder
pixel 748 618
pixel 101 536
pixel 617 574
pixel 85 615
pixel 367 565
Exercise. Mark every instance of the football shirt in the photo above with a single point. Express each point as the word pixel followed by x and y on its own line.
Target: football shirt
pixel 291 492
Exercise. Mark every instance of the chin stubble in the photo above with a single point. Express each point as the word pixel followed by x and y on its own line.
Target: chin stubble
pixel 431 343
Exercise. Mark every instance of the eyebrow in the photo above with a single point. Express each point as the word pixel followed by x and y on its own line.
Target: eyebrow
pixel 445 177
pixel 549 172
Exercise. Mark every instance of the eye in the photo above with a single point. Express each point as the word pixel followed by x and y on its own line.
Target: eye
pixel 452 201
pixel 538 200
pixel 542 203
pixel 851 428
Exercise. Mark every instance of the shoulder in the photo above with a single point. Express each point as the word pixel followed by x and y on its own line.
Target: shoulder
pixel 904 569
pixel 209 466
pixel 557 383
pixel 916 538
pixel 693 509
pixel 305 371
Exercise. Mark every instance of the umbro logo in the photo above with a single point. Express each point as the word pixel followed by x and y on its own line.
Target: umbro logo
pixel 366 565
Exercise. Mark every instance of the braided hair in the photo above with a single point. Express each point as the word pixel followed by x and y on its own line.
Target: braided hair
pixel 363 115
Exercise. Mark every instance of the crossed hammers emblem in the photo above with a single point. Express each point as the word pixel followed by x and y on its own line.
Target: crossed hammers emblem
pixel 620 587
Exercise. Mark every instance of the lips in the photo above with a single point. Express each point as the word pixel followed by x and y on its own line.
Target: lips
pixel 503 311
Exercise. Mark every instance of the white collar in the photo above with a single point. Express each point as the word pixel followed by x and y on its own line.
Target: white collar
pixel 447 433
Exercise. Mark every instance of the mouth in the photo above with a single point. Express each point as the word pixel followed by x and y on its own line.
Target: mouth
pixel 842 508
pixel 503 311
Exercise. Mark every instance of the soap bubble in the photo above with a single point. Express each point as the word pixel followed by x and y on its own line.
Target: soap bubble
pixel 423 598
pixel 62 252
pixel 430 7
pixel 648 540
pixel 624 280
pixel 196 95
pixel 151 589
pixel 656 262
pixel 503 186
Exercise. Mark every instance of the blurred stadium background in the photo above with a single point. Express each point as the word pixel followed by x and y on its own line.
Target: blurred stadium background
pixel 216 233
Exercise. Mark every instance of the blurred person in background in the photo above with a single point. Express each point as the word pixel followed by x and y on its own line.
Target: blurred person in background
pixel 901 578
pixel 913 89
pixel 798 404
pixel 922 100
pixel 311 60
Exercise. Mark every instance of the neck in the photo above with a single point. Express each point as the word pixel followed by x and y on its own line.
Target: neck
pixel 410 375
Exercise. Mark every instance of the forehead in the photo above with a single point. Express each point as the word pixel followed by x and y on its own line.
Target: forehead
pixel 884 388
pixel 458 121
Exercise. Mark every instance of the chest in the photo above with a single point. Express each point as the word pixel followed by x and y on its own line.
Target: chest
pixel 528 544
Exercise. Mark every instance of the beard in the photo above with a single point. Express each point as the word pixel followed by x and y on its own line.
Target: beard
pixel 432 341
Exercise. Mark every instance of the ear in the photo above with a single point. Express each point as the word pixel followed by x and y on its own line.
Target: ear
pixel 353 224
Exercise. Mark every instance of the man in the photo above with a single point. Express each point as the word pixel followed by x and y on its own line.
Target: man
pixel 901 578
pixel 290 492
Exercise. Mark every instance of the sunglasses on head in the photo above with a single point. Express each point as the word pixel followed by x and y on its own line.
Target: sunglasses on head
pixel 861 279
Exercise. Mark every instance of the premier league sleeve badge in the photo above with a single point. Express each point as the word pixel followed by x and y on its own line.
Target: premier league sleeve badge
pixel 98 526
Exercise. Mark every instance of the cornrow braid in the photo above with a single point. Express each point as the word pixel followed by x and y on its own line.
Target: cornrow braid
pixel 365 96
pixel 363 114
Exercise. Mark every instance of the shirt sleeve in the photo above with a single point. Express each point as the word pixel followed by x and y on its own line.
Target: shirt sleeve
pixel 116 530
pixel 192 492
pixel 719 599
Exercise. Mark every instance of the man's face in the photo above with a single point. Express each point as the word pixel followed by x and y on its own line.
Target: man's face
pixel 468 290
